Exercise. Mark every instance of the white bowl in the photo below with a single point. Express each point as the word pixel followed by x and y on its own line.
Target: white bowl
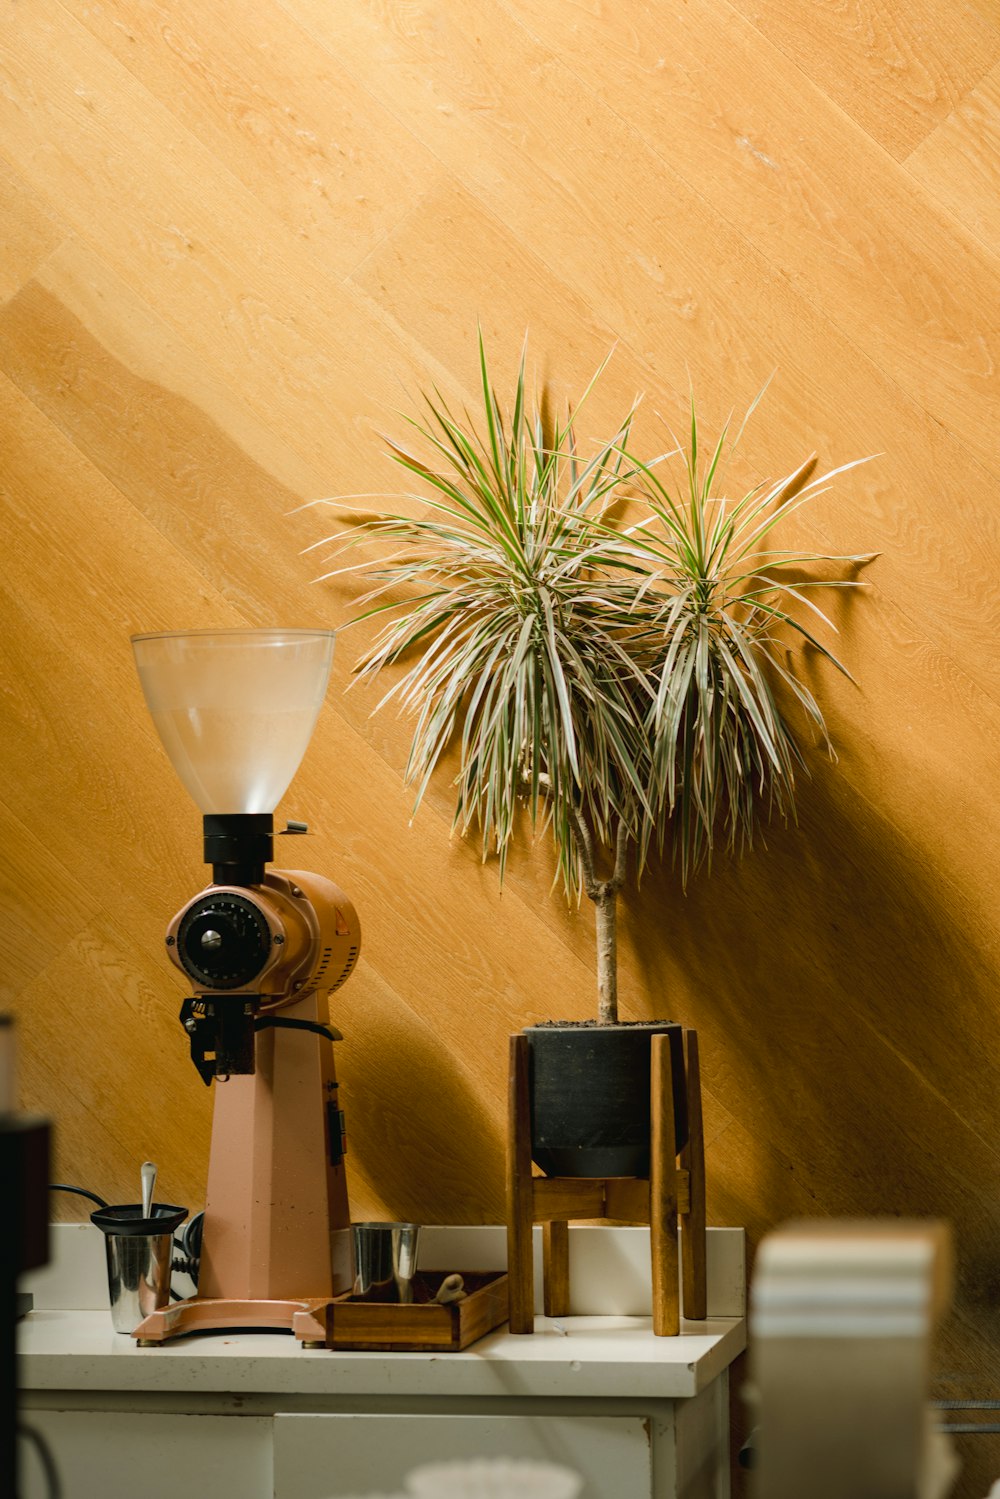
pixel 493 1478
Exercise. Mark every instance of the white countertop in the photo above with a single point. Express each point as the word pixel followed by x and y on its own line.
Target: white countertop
pixel 576 1356
pixel 67 1343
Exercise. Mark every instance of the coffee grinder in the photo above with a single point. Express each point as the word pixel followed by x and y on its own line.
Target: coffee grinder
pixel 262 950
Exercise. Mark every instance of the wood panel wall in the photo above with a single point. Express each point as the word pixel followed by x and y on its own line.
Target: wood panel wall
pixel 237 239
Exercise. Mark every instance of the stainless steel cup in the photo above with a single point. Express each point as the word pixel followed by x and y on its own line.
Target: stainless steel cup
pixel 385 1260
pixel 140 1255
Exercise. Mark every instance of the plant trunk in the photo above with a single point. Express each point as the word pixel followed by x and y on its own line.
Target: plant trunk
pixel 606 904
pixel 604 894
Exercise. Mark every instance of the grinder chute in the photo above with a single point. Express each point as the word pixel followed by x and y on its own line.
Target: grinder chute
pixel 262 949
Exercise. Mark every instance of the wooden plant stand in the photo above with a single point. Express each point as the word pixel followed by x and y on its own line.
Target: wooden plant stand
pixel 674 1189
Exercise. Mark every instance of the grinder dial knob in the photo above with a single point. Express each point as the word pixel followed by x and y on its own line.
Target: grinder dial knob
pixel 223 941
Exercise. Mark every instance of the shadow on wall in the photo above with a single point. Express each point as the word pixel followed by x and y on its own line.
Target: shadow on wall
pixel 847 1029
pixel 417 1129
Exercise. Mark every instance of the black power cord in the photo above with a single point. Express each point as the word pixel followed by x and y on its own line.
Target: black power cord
pixel 189 1245
pixel 80 1191
pixel 44 1453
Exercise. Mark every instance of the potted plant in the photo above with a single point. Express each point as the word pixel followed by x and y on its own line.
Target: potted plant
pixel 605 653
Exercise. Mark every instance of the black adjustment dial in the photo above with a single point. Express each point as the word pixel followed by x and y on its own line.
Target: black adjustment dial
pixel 223 941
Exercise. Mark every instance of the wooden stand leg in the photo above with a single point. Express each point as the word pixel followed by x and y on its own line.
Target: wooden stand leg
pixel 555 1258
pixel 520 1205
pixel 663 1194
pixel 693 1221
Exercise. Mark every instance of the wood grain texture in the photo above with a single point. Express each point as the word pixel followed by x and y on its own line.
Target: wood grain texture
pixel 768 152
pixel 30 232
pixel 235 244
pixel 897 69
pixel 959 163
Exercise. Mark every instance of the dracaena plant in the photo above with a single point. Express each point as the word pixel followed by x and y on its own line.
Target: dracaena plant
pixel 720 612
pixel 615 680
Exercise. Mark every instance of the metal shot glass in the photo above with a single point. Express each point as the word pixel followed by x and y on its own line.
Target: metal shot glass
pixel 140 1255
pixel 385 1260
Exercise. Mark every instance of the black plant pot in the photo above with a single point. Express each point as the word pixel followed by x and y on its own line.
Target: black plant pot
pixel 589 1084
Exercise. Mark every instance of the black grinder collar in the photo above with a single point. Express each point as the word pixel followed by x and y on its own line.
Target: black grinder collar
pixel 238 845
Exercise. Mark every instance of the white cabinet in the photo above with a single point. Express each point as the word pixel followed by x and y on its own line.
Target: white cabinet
pixel 105 1454
pixel 112 1448
pixel 254 1416
pixel 333 1457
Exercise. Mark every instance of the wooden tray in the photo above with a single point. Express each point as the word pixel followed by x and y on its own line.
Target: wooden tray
pixel 421 1325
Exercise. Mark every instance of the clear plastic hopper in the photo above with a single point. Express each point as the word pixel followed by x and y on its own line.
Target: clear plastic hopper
pixel 235 709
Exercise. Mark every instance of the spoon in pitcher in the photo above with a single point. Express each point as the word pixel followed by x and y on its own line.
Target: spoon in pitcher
pixel 148 1173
